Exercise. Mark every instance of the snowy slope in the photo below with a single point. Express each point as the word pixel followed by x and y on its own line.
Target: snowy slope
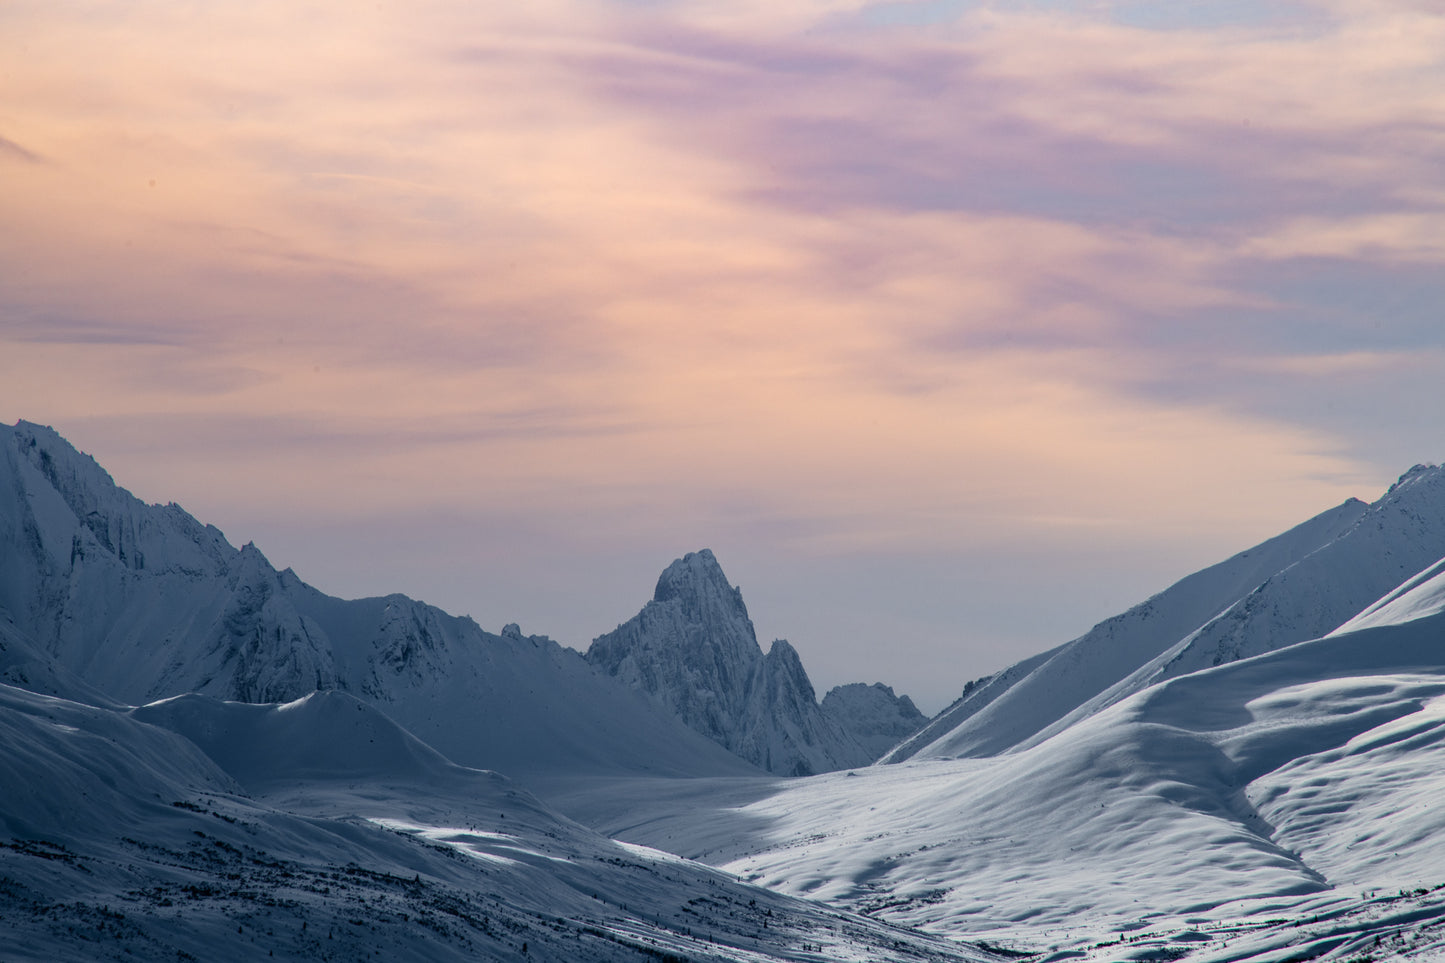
pixel 142 602
pixel 693 648
pixel 1398 536
pixel 1417 598
pixel 1304 783
pixel 1299 585
pixel 1022 700
pixel 25 665
pixel 317 830
pixel 523 705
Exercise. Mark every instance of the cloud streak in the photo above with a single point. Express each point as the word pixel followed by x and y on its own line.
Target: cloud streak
pixel 11 151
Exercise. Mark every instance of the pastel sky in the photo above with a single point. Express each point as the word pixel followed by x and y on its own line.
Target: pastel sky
pixel 952 327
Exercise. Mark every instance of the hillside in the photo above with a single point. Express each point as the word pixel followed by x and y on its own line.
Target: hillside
pixel 1297 586
pixel 318 830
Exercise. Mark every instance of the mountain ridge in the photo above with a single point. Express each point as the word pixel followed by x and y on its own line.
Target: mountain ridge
pixel 140 602
pixel 143 602
pixel 694 649
pixel 1300 584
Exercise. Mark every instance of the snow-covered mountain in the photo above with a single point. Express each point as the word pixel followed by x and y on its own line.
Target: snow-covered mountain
pixel 873 715
pixel 142 601
pixel 318 830
pixel 25 665
pixel 1247 767
pixel 693 648
pixel 1297 586
pixel 1283 806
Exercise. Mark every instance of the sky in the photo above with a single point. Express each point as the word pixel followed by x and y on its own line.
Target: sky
pixel 951 326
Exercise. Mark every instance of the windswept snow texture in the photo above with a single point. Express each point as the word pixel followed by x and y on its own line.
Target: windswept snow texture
pixel 318 830
pixel 693 649
pixel 142 602
pixel 1300 585
pixel 1304 784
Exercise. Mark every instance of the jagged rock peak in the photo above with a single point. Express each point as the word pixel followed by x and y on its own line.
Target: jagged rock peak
pixel 783 660
pixel 1414 475
pixel 695 575
pixel 43 445
pixel 693 649
pixel 873 715
pixel 250 552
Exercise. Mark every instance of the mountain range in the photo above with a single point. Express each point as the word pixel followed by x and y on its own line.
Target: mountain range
pixel 1245 766
pixel 144 602
pixel 200 751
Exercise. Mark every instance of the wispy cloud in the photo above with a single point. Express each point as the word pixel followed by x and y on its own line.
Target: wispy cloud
pixel 50 329
pixel 11 151
pixel 1401 237
pixel 1336 365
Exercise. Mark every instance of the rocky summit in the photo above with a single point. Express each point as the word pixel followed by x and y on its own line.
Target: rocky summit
pixel 693 648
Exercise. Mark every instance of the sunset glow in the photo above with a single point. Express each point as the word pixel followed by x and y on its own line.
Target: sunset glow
pixel 909 310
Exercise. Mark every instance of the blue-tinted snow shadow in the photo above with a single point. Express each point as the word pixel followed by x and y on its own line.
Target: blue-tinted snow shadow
pixel 701 818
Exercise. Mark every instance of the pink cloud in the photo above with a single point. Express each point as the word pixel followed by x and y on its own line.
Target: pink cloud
pixel 675 247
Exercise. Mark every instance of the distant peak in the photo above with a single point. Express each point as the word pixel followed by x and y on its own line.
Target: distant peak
pixel 1415 474
pixel 42 433
pixel 689 575
pixel 250 553
pixel 782 648
pixel 76 475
